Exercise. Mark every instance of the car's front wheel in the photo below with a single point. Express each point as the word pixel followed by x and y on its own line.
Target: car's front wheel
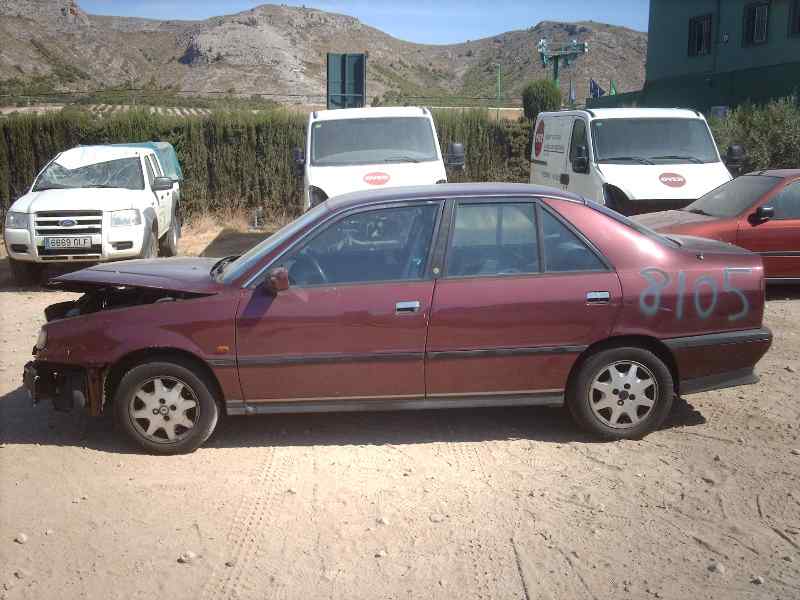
pixel 166 406
pixel 621 393
pixel 168 245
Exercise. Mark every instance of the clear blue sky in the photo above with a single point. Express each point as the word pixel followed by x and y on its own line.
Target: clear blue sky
pixel 423 21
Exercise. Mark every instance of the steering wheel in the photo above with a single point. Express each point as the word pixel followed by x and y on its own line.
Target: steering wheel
pixel 306 260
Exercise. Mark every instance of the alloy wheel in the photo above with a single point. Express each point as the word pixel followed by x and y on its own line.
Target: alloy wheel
pixel 164 410
pixel 623 394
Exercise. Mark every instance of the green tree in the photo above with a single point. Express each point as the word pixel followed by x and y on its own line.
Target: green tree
pixel 540 96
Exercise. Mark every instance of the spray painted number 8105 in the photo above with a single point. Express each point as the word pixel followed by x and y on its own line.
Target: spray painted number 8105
pixel 659 280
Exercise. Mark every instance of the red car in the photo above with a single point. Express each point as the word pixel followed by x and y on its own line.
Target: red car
pixel 433 297
pixel 759 211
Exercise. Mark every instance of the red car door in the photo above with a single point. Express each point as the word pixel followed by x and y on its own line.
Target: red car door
pixel 353 323
pixel 522 295
pixel 776 240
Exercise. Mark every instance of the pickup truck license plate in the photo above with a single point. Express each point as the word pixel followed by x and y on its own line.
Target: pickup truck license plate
pixel 56 243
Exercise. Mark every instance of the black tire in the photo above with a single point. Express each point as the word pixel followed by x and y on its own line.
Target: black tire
pixel 587 405
pixel 24 272
pixel 127 398
pixel 168 245
pixel 150 245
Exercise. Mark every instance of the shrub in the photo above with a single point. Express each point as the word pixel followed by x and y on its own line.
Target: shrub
pixel 540 96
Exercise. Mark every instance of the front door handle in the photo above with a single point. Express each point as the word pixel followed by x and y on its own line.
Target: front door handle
pixel 598 297
pixel 402 308
pixel 564 179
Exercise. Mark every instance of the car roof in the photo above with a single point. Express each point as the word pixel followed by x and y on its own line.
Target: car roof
pixel 490 191
pixel 631 113
pixel 782 173
pixel 370 113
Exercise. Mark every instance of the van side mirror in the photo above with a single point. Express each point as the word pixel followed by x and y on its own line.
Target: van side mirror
pixel 162 184
pixel 580 163
pixel 277 280
pixel 299 160
pixel 455 158
pixel 735 158
pixel 764 214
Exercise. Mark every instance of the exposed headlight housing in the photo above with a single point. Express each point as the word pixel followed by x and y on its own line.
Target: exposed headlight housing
pixel 41 341
pixel 126 218
pixel 17 220
pixel 316 196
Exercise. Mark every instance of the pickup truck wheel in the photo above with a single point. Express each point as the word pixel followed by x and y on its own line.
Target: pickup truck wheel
pixel 25 273
pixel 150 245
pixel 168 245
pixel 166 407
pixel 621 393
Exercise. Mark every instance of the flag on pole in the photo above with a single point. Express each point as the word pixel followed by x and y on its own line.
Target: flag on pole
pixel 595 91
pixel 573 97
pixel 613 90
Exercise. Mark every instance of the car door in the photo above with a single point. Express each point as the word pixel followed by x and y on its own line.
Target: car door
pixel 155 200
pixel 777 240
pixel 523 294
pixel 353 323
pixel 164 197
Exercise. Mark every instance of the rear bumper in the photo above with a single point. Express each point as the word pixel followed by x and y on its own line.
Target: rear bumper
pixel 719 360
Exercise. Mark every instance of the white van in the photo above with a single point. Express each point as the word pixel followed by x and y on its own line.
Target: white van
pixel 634 160
pixel 355 149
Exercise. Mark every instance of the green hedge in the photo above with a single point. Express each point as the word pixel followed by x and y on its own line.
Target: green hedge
pixel 238 159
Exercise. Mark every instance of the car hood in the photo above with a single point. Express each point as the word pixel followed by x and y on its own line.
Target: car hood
pixel 79 199
pixel 190 275
pixel 665 181
pixel 671 218
pixel 352 178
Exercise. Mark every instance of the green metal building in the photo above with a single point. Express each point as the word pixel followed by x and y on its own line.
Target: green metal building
pixel 707 53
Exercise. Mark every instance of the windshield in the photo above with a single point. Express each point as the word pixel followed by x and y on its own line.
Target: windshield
pixel 249 259
pixel 370 141
pixel 125 173
pixel 653 141
pixel 734 197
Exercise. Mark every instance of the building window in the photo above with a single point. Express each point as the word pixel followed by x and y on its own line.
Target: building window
pixel 756 23
pixel 794 25
pixel 700 35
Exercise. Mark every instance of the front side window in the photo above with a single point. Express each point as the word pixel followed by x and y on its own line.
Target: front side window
pixel 389 244
pixel 756 23
pixel 493 239
pixel 700 35
pixel 123 173
pixel 787 203
pixel 564 251
pixel 578 139
pixel 150 174
pixel 372 141
pixel 653 141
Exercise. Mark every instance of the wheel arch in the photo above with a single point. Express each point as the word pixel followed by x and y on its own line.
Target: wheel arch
pixel 116 371
pixel 652 344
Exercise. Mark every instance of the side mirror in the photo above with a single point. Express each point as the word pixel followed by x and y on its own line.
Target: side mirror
pixel 764 214
pixel 162 184
pixel 735 158
pixel 455 158
pixel 580 163
pixel 299 160
pixel 277 280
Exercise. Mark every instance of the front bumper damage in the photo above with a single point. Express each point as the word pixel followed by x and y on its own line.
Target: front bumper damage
pixel 67 387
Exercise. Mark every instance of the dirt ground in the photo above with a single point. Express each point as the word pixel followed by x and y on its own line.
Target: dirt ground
pixel 505 503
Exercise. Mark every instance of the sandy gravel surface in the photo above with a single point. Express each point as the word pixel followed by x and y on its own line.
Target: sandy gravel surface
pixel 437 504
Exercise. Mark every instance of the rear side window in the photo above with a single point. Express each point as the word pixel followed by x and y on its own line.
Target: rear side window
pixel 494 239
pixel 563 250
pixel 787 203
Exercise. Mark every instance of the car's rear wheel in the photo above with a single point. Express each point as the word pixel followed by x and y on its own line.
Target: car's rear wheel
pixel 25 273
pixel 621 393
pixel 166 407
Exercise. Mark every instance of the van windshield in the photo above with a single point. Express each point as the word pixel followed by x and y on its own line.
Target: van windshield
pixel 653 141
pixel 370 141
pixel 734 197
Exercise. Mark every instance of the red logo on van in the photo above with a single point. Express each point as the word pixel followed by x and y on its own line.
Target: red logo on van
pixel 539 139
pixel 376 178
pixel 672 180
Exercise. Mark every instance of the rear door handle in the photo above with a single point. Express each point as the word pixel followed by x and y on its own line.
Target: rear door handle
pixel 598 297
pixel 402 308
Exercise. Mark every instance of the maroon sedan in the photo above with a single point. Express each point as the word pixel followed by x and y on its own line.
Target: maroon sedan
pixel 759 211
pixel 434 297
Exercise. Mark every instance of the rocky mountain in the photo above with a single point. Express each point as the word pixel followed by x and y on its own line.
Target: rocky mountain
pixel 275 49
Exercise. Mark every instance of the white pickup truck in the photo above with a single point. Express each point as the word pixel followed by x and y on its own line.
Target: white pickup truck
pixel 352 149
pixel 97 204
